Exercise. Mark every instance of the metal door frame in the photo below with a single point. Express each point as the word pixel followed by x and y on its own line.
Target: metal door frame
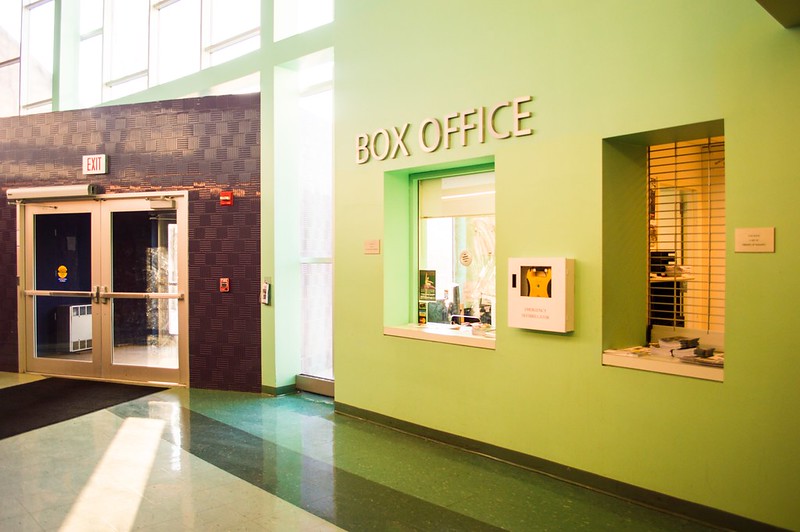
pixel 101 207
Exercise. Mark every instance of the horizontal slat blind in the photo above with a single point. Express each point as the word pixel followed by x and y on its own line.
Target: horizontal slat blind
pixel 686 203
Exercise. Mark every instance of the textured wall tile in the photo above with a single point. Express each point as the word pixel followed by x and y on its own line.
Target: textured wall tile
pixel 203 145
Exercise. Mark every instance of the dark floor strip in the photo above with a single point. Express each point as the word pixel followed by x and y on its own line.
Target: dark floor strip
pixel 34 405
pixel 347 500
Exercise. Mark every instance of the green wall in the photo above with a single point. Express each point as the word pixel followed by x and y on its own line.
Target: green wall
pixel 596 70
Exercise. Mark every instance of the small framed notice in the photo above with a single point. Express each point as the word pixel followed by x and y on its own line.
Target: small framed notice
pixel 372 247
pixel 754 240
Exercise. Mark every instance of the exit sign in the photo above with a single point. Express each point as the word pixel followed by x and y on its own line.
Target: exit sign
pixel 94 164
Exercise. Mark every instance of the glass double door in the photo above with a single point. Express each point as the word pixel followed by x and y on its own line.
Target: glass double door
pixel 104 288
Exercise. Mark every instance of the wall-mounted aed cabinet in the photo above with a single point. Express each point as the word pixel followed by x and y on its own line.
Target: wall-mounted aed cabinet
pixel 541 293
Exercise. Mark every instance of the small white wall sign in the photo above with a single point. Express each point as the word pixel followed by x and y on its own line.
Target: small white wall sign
pixel 94 164
pixel 754 240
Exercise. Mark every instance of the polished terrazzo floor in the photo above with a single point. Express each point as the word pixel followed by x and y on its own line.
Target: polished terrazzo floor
pixel 206 460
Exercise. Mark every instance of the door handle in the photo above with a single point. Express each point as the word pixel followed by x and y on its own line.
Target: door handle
pixel 99 294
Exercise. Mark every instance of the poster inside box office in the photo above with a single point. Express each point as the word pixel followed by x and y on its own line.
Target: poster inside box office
pixel 427 285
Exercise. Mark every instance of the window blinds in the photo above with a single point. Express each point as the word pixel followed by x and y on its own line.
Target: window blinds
pixel 686 205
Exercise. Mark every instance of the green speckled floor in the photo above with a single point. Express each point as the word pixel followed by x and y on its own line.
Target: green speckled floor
pixel 232 461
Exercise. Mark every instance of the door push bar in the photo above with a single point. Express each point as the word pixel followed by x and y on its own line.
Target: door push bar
pixel 100 294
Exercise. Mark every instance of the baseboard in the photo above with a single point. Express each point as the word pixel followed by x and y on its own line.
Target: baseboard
pixel 630 492
pixel 317 385
pixel 280 390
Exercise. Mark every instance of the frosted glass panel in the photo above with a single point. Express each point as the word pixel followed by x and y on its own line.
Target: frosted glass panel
pixel 315 169
pixel 313 162
pixel 317 320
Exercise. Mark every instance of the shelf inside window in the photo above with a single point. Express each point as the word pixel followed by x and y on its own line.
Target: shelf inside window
pixel 442 333
pixel 663 364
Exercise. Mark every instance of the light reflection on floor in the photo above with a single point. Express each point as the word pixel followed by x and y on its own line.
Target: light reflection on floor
pixel 46 477
pixel 119 479
pixel 236 461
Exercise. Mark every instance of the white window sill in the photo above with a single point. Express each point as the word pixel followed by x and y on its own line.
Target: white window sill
pixel 663 364
pixel 435 332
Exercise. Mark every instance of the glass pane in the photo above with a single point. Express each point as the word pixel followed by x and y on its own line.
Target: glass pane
pixel 63 262
pixel 178 52
pixel 457 261
pixel 297 16
pixel 9 88
pixel 315 166
pixel 90 79
pixel 63 328
pixel 229 18
pixel 91 16
pixel 316 320
pixel 144 248
pixel 10 28
pixel 129 36
pixel 37 56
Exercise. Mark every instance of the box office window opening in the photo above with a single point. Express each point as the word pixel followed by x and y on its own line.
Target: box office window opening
pixel 456 281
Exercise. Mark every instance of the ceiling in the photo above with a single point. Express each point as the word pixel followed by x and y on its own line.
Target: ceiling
pixel 787 12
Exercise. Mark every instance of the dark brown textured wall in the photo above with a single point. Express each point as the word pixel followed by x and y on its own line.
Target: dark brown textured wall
pixel 204 145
